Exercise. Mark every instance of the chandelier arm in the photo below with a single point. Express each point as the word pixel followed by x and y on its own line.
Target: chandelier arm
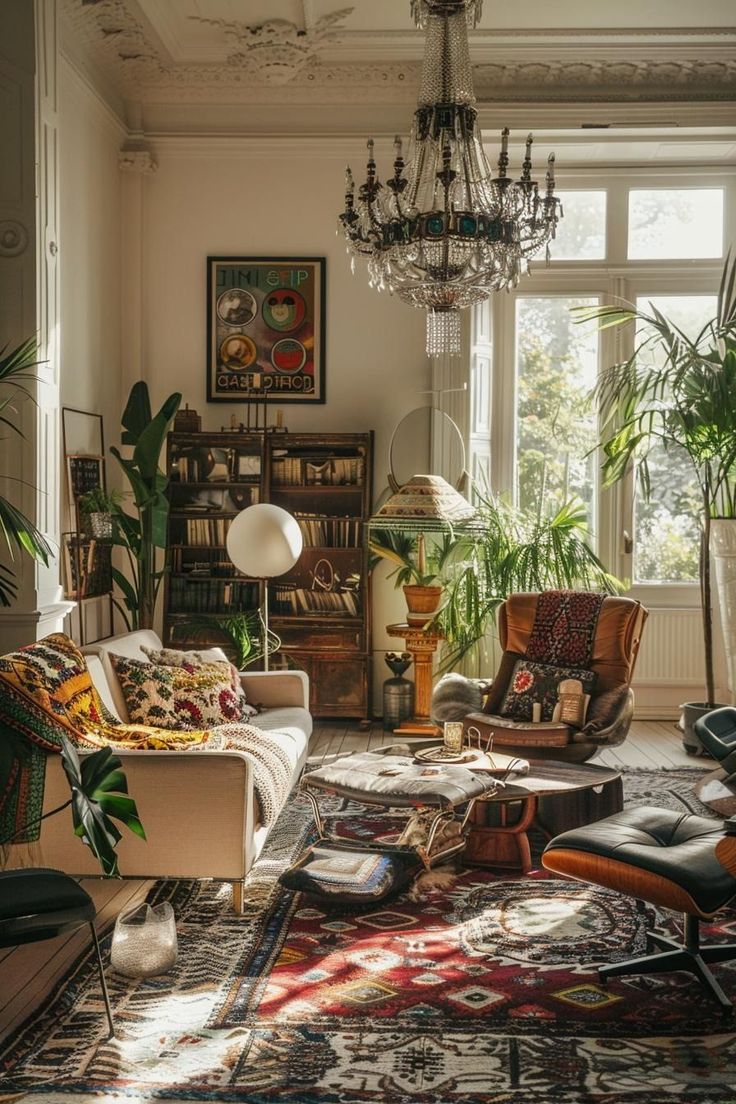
pixel 448 233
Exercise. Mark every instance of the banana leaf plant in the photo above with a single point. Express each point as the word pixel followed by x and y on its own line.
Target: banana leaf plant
pixel 99 796
pixel 17 532
pixel 677 393
pixel 143 533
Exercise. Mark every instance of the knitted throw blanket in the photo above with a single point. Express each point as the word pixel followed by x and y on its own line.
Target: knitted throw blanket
pixel 564 627
pixel 46 691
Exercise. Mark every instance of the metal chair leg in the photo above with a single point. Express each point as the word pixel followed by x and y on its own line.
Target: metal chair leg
pixel 103 982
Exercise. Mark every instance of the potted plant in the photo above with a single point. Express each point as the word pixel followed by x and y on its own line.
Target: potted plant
pixel 683 398
pixel 19 534
pixel 242 633
pixel 143 534
pixel 98 508
pixel 419 570
pixel 514 550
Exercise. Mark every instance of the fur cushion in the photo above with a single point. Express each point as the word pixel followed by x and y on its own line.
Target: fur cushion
pixel 455 696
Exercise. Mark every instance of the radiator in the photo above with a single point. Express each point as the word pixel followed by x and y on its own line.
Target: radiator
pixel 671 652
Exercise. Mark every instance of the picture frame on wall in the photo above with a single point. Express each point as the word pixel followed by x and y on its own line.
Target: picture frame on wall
pixel 266 329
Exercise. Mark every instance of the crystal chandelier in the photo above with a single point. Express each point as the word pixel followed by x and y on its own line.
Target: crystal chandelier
pixel 443 232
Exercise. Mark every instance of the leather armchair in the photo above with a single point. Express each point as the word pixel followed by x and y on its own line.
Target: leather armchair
pixel 611 708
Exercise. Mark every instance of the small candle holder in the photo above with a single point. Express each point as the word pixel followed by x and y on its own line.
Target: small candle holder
pixel 453 736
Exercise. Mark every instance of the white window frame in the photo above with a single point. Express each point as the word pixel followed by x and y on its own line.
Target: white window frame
pixel 614 278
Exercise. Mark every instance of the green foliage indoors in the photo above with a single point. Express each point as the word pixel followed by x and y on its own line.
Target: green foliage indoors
pixel 516 551
pixel 99 796
pixel 509 550
pixel 18 534
pixel 242 635
pixel 143 533
pixel 677 394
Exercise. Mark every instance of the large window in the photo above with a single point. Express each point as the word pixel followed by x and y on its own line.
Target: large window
pixel 666 533
pixel 556 366
pixel 658 238
pixel 678 223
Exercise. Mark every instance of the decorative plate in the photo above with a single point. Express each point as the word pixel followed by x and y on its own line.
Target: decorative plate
pixel 440 754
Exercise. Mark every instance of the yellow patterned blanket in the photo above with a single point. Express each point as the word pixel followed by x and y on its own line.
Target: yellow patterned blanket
pixel 46 691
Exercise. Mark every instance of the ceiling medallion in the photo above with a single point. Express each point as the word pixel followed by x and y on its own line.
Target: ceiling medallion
pixel 443 232
pixel 277 50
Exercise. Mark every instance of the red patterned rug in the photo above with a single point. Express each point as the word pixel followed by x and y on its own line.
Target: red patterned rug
pixel 483 992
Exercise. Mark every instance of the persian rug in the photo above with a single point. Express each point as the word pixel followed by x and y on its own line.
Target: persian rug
pixel 482 991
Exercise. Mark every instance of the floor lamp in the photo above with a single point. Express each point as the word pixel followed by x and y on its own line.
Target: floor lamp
pixel 263 542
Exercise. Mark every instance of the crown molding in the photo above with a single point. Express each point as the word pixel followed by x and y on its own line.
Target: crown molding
pixel 342 148
pixel 636 64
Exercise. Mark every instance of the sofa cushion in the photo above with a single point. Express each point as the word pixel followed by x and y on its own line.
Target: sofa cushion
pixel 125 644
pixel 179 698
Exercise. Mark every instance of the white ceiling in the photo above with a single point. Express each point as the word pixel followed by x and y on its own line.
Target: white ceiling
pixel 189 66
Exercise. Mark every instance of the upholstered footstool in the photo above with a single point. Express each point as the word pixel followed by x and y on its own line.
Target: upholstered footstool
pixel 675 860
pixel 440 799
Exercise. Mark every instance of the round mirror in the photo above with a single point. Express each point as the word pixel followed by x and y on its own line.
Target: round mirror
pixel 426 442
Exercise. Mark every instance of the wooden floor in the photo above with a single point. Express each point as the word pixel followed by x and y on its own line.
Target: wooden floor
pixel 649 744
pixel 28 974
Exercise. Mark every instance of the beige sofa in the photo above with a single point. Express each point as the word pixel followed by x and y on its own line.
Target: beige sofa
pixel 198 810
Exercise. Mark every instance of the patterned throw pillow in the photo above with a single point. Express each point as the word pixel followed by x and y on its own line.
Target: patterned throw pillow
pixel 184 698
pixel 538 682
pixel 171 657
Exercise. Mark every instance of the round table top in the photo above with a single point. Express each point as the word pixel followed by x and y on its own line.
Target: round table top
pixel 545 777
pixel 405 629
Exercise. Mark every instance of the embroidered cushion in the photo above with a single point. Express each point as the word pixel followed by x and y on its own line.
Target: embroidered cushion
pixel 532 682
pixel 171 657
pixel 183 698
pixel 339 875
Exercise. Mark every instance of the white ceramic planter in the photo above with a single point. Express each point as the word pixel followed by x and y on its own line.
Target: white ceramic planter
pixel 723 550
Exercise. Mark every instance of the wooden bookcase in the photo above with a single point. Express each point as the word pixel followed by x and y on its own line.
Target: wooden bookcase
pixel 322 608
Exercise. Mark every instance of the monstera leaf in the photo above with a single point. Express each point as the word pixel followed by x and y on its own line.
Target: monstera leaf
pixel 100 796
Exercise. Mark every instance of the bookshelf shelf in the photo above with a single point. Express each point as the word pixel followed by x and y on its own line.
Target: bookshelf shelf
pixel 321 608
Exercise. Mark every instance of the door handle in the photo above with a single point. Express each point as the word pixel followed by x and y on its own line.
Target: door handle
pixel 628 543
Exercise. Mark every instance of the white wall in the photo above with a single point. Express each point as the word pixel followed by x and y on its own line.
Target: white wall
pixel 89 244
pixel 210 198
pixel 90 262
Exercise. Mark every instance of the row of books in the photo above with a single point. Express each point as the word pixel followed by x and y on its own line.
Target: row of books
pixel 321 531
pixel 210 596
pixel 214 466
pixel 206 531
pixel 296 471
pixel 183 562
pixel 298 600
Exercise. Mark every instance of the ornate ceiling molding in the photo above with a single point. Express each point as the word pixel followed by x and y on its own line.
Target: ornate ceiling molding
pixel 599 67
pixel 276 51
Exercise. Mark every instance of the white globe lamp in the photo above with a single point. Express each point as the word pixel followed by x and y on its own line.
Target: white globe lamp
pixel 264 541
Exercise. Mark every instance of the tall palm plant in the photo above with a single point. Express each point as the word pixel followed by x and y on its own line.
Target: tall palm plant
pixel 17 531
pixel 678 393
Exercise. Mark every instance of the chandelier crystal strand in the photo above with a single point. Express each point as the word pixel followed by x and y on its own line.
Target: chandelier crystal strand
pixel 442 232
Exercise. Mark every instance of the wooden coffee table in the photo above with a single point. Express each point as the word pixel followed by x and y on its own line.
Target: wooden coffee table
pixel 555 796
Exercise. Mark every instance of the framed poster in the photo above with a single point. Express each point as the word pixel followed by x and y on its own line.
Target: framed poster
pixel 266 329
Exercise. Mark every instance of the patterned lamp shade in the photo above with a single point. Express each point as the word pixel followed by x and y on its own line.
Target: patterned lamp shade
pixel 427 503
